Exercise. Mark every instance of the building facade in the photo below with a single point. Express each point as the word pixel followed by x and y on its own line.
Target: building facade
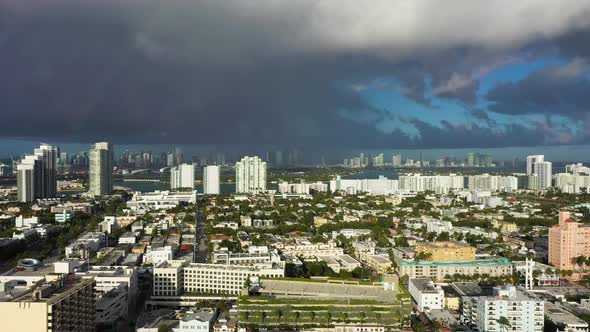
pixel 174 278
pixel 568 240
pixel 182 176
pixel 523 312
pixel 101 169
pixel 59 305
pixel 494 267
pixel 446 251
pixel 426 294
pixel 211 180
pixel 37 174
pixel 250 175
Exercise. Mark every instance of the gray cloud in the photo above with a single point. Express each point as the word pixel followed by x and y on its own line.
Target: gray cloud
pixel 253 71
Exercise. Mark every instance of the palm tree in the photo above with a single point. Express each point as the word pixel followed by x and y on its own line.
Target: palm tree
pixel 580 260
pixel 343 317
pixel 278 314
pixel 295 316
pixel 504 323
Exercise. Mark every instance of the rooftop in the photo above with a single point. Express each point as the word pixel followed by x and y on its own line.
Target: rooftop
pixel 327 290
pixel 425 285
pixel 203 315
pixel 500 261
pixel 49 291
pixel 470 289
pixel 444 245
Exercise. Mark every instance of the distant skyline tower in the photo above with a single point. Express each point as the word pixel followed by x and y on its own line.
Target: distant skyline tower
pixel 101 169
pixel 182 176
pixel 37 174
pixel 211 180
pixel 396 160
pixel 49 155
pixel 543 171
pixel 530 162
pixel 250 175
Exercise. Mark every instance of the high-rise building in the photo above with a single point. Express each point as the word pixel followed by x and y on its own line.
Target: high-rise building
pixel 178 157
pixel 101 169
pixel 182 176
pixel 396 160
pixel 568 240
pixel 531 160
pixel 543 170
pixel 378 160
pixel 250 175
pixel 211 180
pixel 37 174
pixel 49 155
pixel 28 178
pixel 57 305
pixel 170 160
pixel 4 169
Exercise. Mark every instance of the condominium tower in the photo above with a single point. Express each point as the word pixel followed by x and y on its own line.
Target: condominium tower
pixel 37 174
pixel 250 175
pixel 101 169
pixel 568 240
pixel 182 176
pixel 211 180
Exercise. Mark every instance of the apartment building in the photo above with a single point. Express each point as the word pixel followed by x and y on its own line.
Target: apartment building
pixel 54 304
pixel 307 249
pixel 524 312
pixel 568 240
pixel 160 200
pixel 446 251
pixel 495 267
pixel 174 278
pixel 254 256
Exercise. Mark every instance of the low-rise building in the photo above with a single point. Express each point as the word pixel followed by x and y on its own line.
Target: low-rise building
pixel 127 238
pixel 426 294
pixel 307 249
pixel 21 222
pixel 174 278
pixel 197 321
pixel 446 251
pixel 87 243
pixel 159 200
pixel 63 216
pixel 158 255
pixel 494 266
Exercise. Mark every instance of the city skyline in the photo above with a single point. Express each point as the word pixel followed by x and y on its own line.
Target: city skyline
pixel 302 166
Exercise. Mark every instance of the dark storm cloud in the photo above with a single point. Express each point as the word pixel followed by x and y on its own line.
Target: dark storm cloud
pixel 250 72
pixel 555 90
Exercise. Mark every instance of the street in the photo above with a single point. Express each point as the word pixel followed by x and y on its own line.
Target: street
pixel 201 246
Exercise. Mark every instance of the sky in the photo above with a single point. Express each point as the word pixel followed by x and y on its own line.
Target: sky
pixel 312 74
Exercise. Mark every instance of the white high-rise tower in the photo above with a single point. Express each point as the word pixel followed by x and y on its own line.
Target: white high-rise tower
pixel 250 175
pixel 531 160
pixel 182 176
pixel 101 169
pixel 211 180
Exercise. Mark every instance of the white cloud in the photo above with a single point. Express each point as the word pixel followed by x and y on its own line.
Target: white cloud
pixel 385 28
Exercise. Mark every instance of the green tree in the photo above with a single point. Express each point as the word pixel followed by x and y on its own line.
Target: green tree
pixel 504 323
pixel 164 328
